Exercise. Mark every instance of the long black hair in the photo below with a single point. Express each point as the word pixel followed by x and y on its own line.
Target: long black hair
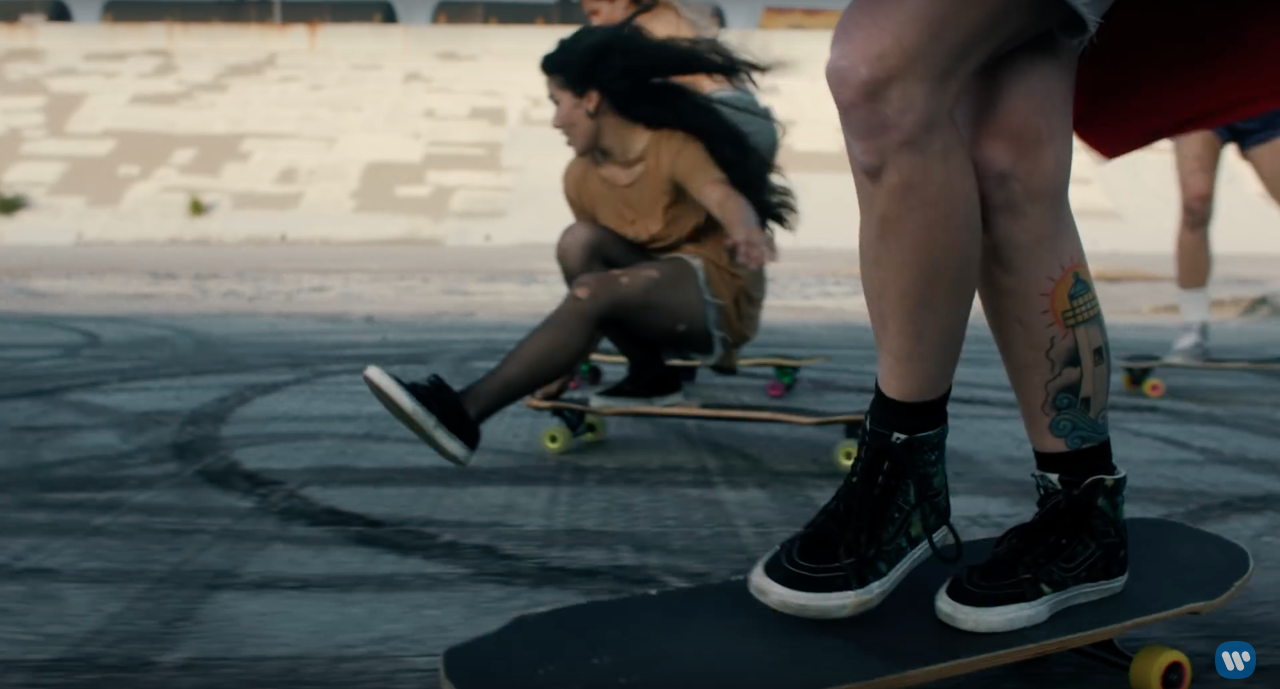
pixel 632 71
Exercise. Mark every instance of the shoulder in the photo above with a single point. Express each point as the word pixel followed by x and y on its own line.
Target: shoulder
pixel 576 171
pixel 673 143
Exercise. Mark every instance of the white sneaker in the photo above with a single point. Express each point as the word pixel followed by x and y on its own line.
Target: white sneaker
pixel 1191 345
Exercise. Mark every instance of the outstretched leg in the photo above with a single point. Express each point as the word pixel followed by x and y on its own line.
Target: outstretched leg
pixel 1197 155
pixel 1263 152
pixel 661 298
pixel 897 71
pixel 1043 311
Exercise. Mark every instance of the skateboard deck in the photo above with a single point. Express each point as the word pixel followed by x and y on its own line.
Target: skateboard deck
pixel 580 420
pixel 744 362
pixel 1137 370
pixel 718 635
pixel 786 369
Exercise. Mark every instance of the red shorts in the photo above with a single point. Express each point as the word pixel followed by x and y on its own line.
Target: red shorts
pixel 1159 68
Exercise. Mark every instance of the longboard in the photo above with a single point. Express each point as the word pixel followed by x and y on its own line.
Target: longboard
pixel 719 635
pixel 579 420
pixel 786 369
pixel 1137 370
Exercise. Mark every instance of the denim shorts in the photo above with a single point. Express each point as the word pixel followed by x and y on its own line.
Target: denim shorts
pixel 714 308
pixel 1254 131
pixel 1080 28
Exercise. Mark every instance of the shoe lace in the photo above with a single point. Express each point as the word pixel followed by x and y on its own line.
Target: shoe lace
pixel 858 514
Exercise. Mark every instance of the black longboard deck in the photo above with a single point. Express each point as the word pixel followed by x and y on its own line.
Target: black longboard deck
pixel 718 635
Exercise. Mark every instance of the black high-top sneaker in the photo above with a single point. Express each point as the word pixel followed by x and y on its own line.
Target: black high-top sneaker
pixel 890 512
pixel 431 409
pixel 659 387
pixel 1074 550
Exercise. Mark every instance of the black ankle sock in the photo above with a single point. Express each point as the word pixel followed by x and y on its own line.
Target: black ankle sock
pixel 1080 464
pixel 908 418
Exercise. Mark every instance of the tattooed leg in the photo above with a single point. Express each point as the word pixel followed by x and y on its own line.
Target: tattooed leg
pixel 1035 286
pixel 1043 310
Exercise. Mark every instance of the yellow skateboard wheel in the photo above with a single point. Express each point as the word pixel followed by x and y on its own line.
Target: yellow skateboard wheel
pixel 557 440
pixel 595 429
pixel 1159 667
pixel 1153 387
pixel 846 454
pixel 1126 381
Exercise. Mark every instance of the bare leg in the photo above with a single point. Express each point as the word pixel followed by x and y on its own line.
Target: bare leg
pixel 954 113
pixel 1265 159
pixel 1036 289
pixel 897 70
pixel 1197 155
pixel 1046 319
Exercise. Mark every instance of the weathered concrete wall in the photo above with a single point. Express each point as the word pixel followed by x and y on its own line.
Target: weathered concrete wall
pixel 426 133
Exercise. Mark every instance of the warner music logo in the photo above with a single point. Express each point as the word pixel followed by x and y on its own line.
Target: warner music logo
pixel 1236 660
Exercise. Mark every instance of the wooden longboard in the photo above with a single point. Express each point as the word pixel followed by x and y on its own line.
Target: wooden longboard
pixel 1137 369
pixel 745 362
pixel 723 412
pixel 786 370
pixel 579 420
pixel 719 635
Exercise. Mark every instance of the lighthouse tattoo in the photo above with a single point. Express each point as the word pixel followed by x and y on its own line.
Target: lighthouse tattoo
pixel 1079 357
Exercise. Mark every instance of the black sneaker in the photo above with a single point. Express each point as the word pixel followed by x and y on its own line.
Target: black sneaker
pixel 430 409
pixel 1074 550
pixel 659 388
pixel 890 512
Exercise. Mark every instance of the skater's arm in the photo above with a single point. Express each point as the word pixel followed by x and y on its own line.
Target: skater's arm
pixel 695 171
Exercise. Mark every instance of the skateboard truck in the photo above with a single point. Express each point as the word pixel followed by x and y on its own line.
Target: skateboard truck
pixel 1153 667
pixel 574 424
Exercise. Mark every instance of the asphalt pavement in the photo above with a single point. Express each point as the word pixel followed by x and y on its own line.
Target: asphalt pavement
pixel 216 500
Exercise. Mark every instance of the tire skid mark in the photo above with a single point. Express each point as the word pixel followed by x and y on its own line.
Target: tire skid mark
pixel 199 442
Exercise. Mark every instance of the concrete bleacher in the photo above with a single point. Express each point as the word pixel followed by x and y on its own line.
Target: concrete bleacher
pixel 376 133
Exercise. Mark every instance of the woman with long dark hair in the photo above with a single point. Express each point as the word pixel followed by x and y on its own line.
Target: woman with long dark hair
pixel 676 19
pixel 673 212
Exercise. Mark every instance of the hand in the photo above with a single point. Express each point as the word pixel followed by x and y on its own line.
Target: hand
pixel 554 390
pixel 752 247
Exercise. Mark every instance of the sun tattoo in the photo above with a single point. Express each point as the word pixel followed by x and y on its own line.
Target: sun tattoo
pixel 1079 357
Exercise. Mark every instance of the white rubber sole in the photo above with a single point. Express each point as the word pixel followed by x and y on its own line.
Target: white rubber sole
pixel 833 606
pixel 601 402
pixel 1021 615
pixel 415 417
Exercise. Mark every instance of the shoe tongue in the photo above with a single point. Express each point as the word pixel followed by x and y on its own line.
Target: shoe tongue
pixel 1049 482
pixel 1060 481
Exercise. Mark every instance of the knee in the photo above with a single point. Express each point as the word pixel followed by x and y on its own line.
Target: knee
pixel 1197 207
pixel 1021 165
pixel 576 250
pixel 589 294
pixel 884 101
pixel 604 295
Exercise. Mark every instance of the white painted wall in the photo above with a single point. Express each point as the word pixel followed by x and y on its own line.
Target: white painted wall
pixel 358 133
